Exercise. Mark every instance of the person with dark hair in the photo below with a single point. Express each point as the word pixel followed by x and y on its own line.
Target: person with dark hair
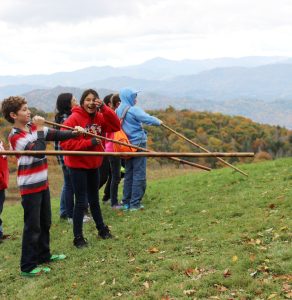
pixel 32 179
pixel 135 175
pixel 64 104
pixel 115 162
pixel 97 118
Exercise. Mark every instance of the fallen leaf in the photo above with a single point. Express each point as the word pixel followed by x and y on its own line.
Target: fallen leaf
pixel 272 296
pixel 74 285
pixel 284 228
pixel 234 258
pixel 220 288
pixel 146 285
pixel 103 283
pixel 114 281
pixel 132 259
pixel 253 274
pixel 286 287
pixel 226 273
pixel 189 292
pixel 189 272
pixel 153 250
pixel 272 206
pixel 119 294
pixel 288 295
pixel 252 257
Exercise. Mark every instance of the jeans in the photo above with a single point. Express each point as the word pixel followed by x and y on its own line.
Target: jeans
pixel 135 180
pixel 85 184
pixel 36 231
pixel 115 165
pixel 2 198
pixel 67 195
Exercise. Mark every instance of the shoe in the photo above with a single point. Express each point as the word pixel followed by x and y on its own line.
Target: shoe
pixel 46 269
pixel 105 199
pixel 34 272
pixel 125 207
pixel 56 257
pixel 80 242
pixel 63 217
pixel 86 219
pixel 105 233
pixel 135 208
pixel 117 207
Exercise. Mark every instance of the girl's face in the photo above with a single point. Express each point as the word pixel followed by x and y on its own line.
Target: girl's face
pixel 73 102
pixel 89 104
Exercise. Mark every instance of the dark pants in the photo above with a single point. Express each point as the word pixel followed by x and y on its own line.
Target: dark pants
pixel 2 198
pixel 115 165
pixel 36 231
pixel 85 185
pixel 67 195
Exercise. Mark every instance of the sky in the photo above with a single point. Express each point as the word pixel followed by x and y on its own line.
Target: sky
pixel 47 36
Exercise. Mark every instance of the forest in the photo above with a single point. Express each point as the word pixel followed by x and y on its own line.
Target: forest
pixel 215 131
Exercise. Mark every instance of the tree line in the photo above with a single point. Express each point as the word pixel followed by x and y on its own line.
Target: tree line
pixel 215 131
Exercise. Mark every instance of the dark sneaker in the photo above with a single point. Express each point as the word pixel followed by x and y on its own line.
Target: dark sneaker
pixel 105 233
pixel 63 217
pixel 80 242
pixel 105 199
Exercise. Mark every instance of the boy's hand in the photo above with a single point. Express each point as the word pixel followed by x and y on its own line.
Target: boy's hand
pixel 38 122
pixel 79 130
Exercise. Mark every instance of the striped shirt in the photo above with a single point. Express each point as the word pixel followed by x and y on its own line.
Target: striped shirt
pixel 32 173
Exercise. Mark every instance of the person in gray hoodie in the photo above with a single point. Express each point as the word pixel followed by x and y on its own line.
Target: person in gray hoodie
pixel 135 174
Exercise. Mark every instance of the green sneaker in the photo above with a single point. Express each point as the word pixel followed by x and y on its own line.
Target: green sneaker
pixel 56 257
pixel 33 273
pixel 46 269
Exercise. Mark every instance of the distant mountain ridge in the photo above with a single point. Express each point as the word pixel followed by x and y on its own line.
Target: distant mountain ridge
pixel 256 87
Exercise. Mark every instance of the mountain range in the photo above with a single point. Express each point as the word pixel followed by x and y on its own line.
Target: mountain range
pixel 256 87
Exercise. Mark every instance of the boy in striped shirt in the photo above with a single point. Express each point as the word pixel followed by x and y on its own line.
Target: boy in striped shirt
pixel 32 179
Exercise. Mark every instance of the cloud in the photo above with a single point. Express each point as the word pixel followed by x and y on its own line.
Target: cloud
pixel 50 36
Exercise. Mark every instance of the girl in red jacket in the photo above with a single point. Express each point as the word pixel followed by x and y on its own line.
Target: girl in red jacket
pixel 4 173
pixel 84 170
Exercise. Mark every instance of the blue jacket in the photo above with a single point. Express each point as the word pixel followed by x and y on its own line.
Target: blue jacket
pixel 132 124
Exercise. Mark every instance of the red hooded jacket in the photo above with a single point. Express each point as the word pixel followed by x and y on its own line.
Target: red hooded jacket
pixel 4 172
pixel 104 121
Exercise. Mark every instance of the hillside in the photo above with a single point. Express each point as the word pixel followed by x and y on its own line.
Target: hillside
pixel 202 236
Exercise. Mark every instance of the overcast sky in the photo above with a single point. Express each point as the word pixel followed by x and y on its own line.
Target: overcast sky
pixel 46 36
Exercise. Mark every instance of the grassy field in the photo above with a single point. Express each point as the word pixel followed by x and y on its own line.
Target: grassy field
pixel 202 235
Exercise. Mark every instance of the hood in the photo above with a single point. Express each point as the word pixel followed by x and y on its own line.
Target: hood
pixel 80 111
pixel 128 96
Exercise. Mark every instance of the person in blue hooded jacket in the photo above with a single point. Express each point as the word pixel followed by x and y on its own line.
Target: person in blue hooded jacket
pixel 135 174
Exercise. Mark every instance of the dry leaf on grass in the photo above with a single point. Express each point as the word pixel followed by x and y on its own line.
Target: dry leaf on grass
pixel 153 250
pixel 146 285
pixel 189 292
pixel 220 288
pixel 226 273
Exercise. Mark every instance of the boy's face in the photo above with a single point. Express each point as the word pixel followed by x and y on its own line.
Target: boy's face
pixel 22 116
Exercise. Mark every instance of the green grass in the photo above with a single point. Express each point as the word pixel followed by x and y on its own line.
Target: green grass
pixel 198 225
